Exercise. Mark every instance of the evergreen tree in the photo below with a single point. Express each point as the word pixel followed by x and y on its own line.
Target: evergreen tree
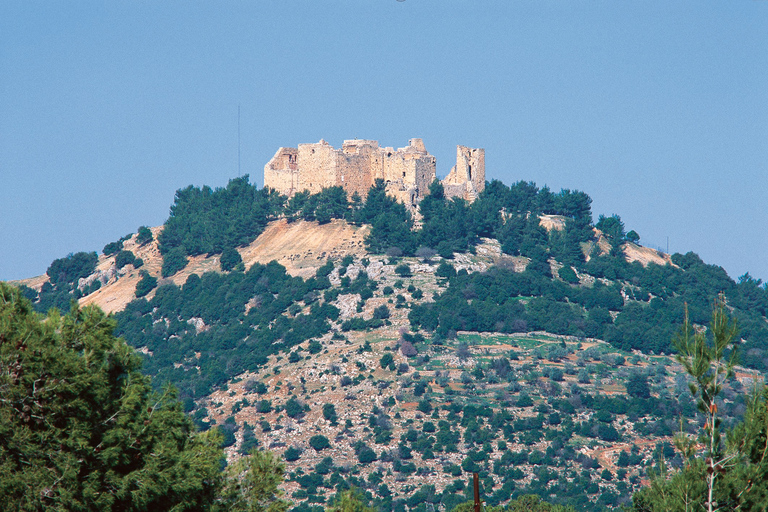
pixel 80 428
pixel 144 236
pixel 727 475
pixel 350 500
pixel 252 485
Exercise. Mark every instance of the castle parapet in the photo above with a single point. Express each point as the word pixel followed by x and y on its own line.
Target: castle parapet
pixel 407 171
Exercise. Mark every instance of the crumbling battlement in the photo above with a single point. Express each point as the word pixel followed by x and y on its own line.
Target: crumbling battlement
pixel 407 171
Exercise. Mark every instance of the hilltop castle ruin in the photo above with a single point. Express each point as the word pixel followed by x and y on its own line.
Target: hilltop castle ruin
pixel 408 171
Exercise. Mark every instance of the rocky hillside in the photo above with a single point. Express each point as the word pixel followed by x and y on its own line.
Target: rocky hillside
pixel 301 247
pixel 398 360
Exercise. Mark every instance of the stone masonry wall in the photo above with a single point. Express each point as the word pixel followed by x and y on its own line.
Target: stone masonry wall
pixel 467 178
pixel 282 173
pixel 321 160
pixel 407 171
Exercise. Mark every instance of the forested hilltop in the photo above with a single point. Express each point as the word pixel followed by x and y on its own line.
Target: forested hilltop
pixel 511 336
pixel 578 271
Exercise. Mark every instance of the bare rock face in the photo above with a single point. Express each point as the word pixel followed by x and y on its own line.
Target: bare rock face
pixel 198 324
pixel 104 276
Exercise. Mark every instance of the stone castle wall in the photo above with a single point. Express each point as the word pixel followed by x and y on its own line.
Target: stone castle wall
pixel 467 178
pixel 407 171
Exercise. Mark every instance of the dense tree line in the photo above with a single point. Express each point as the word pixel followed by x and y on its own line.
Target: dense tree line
pixel 647 302
pixel 501 300
pixel 62 285
pixel 81 429
pixel 207 221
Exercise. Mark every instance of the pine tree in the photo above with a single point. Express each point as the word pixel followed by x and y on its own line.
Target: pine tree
pixel 81 429
pixel 730 474
pixel 709 367
pixel 252 485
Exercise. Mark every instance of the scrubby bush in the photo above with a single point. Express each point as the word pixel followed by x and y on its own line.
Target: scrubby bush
pixel 124 258
pixel 292 454
pixel 146 284
pixel 230 258
pixel 319 442
pixel 403 270
pixel 144 236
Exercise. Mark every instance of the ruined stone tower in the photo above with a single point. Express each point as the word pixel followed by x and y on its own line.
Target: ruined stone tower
pixel 467 178
pixel 407 171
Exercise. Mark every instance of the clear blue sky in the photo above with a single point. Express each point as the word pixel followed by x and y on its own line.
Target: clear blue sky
pixel 658 110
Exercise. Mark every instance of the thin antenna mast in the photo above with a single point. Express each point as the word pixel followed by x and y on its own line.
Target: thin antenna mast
pixel 239 174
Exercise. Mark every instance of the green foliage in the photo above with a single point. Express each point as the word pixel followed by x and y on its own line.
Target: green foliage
pixel 390 222
pixel 325 270
pixel 445 269
pixel 524 401
pixel 146 284
pixel 112 248
pixel 709 364
pixel 488 302
pixel 612 227
pixel 237 341
pixel 282 312
pixel 403 270
pixel 173 261
pixel 446 224
pixel 144 236
pixel 319 442
pixel 292 454
pixel 124 258
pixel 350 500
pixel 366 455
pixel 329 413
pixel 730 475
pixel 80 428
pixel 329 203
pixel 68 270
pixel 230 258
pixel 567 274
pixel 252 485
pixel 227 430
pixel 205 221
pixel 637 386
pixel 526 503
pixel 250 441
pixel 294 408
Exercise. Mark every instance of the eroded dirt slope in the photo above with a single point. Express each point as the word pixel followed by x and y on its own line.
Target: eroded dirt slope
pixel 301 247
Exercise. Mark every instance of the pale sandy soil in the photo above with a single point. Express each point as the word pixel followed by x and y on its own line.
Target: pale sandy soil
pixel 646 255
pixel 550 222
pixel 301 247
